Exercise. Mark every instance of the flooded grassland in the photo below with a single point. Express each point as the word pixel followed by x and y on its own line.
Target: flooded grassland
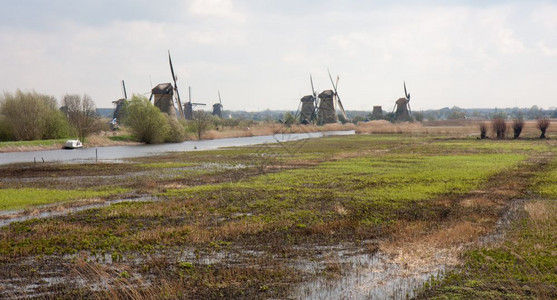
pixel 355 217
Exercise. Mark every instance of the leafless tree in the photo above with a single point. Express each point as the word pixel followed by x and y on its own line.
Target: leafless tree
pixel 81 114
pixel 543 123
pixel 518 124
pixel 483 131
pixel 500 127
pixel 202 122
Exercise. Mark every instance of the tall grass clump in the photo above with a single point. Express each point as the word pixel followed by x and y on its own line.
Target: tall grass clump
pixel 518 124
pixel 543 124
pixel 499 127
pixel 483 131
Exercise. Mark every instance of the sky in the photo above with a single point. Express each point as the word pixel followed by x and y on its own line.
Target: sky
pixel 260 53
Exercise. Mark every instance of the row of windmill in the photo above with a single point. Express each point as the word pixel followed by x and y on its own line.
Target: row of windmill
pixel 322 109
pixel 164 96
pixel 313 109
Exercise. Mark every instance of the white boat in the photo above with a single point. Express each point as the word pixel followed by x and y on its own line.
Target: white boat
pixel 73 144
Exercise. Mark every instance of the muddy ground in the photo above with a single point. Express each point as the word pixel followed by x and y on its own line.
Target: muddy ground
pixel 198 232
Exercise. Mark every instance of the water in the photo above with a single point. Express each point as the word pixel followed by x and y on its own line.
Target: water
pixel 115 153
pixel 368 276
pixel 6 219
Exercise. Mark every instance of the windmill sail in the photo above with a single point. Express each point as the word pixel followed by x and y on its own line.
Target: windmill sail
pixel 341 107
pixel 174 78
pixel 124 87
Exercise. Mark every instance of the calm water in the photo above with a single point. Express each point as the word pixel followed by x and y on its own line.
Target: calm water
pixel 120 152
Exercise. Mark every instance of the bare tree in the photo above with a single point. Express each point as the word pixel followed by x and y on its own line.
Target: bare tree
pixel 500 127
pixel 202 122
pixel 543 123
pixel 81 114
pixel 483 131
pixel 518 124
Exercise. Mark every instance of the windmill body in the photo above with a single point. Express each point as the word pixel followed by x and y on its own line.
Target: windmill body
pixel 377 113
pixel 327 112
pixel 307 113
pixel 217 108
pixel 118 111
pixel 163 98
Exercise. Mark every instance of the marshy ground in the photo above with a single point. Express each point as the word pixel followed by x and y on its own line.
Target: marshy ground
pixel 363 216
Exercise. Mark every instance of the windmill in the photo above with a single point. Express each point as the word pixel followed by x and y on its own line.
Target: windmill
pixel 402 110
pixel 117 115
pixel 188 107
pixel 217 108
pixel 329 100
pixel 309 106
pixel 174 78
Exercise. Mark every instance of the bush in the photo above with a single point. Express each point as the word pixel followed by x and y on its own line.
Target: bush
pixel 518 124
pixel 176 131
pixel 499 127
pixel 32 116
pixel 543 123
pixel 146 121
pixel 483 131
pixel 5 131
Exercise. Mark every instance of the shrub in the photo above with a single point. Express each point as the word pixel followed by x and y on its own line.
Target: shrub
pixel 499 127
pixel 32 116
pixel 543 123
pixel 5 131
pixel 483 131
pixel 518 124
pixel 146 121
pixel 176 132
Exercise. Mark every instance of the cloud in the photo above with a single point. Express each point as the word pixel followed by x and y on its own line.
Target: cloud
pixel 216 8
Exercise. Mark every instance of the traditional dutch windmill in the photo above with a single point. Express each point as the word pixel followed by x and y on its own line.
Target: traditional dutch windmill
pixel 217 108
pixel 329 100
pixel 309 104
pixel 402 109
pixel 164 94
pixel 120 103
pixel 188 107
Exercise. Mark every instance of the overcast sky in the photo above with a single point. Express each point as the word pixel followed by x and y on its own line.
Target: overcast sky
pixel 260 53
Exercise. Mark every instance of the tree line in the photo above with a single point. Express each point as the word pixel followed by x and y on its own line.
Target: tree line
pixel 26 116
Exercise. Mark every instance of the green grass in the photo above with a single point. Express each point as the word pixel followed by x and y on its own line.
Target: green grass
pixel 12 199
pixel 32 143
pixel 123 138
pixel 523 267
pixel 368 188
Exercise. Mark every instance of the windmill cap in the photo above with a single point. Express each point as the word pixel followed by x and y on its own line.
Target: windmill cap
pixel 326 94
pixel 163 88
pixel 308 98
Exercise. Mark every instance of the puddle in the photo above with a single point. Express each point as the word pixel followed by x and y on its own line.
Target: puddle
pixel 514 212
pixel 5 218
pixel 377 276
pixel 366 276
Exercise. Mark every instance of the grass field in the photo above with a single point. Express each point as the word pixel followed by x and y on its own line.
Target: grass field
pixel 254 222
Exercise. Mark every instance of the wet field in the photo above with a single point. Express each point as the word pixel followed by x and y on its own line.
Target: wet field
pixel 340 217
